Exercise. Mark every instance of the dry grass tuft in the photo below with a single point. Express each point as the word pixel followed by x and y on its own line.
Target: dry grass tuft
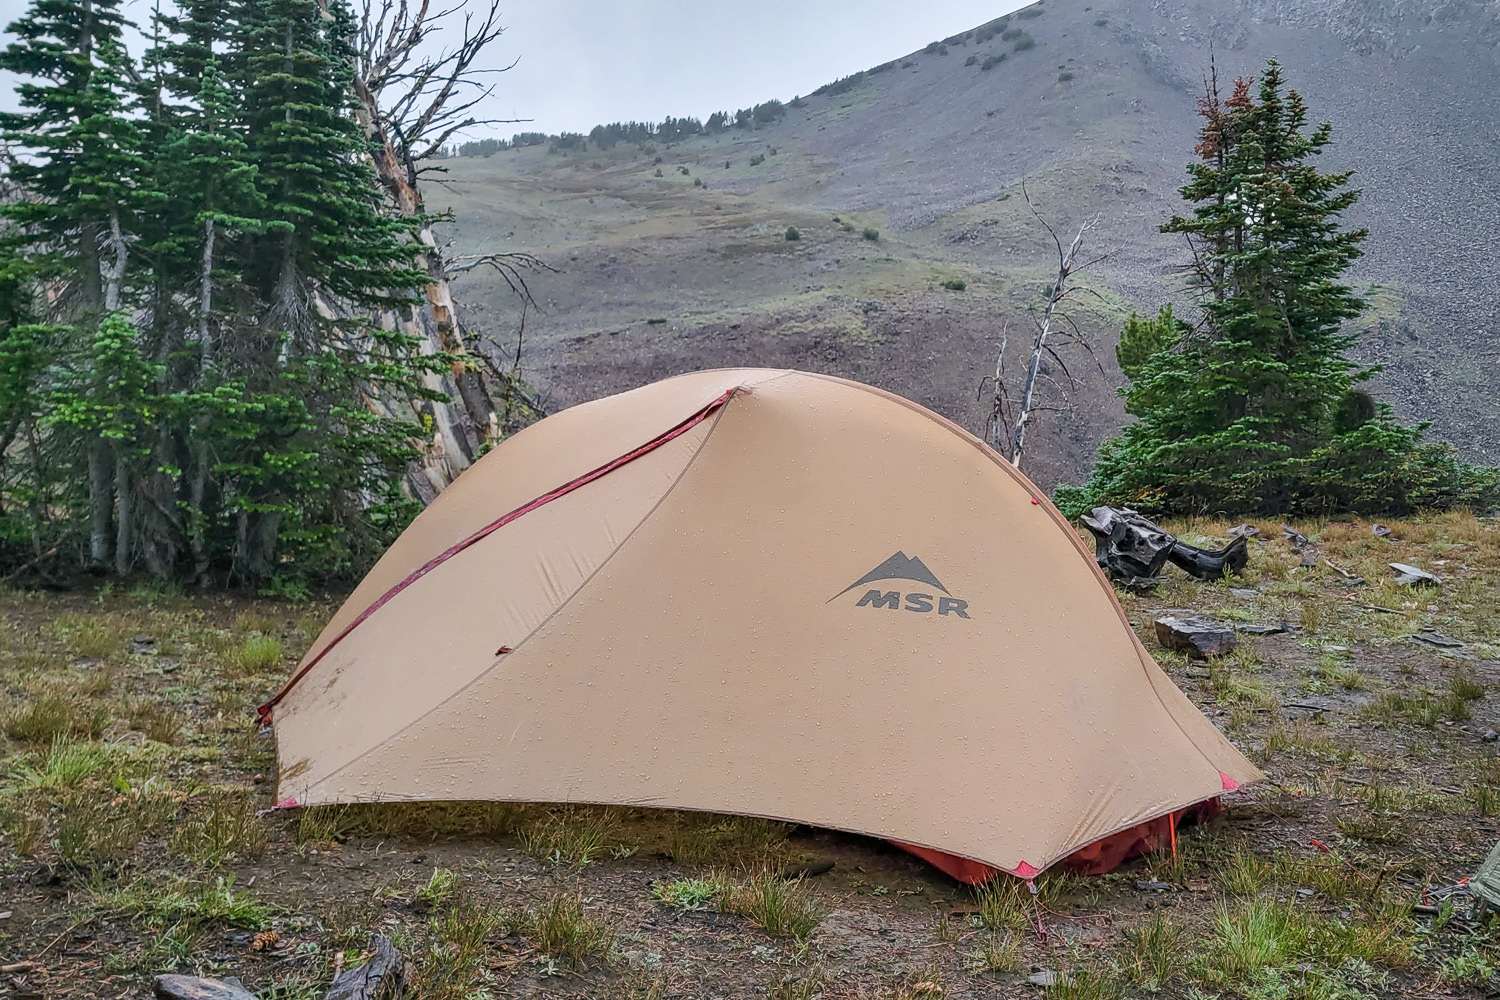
pixel 780 907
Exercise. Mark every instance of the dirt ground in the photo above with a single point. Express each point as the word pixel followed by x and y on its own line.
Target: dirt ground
pixel 133 790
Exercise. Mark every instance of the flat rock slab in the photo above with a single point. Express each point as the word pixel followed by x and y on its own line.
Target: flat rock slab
pixel 1272 629
pixel 1436 640
pixel 1411 576
pixel 1199 637
pixel 175 987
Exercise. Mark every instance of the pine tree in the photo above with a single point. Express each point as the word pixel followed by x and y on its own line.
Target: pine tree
pixel 1256 407
pixel 322 474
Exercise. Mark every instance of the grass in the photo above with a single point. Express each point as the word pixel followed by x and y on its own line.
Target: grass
pixel 158 902
pixel 55 714
pixel 255 654
pixel 91 637
pixel 1000 951
pixel 562 929
pixel 451 958
pixel 686 894
pixel 222 826
pixel 727 841
pixel 574 837
pixel 1156 953
pixel 780 907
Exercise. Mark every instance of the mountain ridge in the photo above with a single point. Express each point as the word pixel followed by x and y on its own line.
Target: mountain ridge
pixel 1096 117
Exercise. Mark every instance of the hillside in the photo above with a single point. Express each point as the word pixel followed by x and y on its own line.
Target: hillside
pixel 932 150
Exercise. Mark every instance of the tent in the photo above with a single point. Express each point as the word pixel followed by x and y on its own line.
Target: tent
pixel 1485 886
pixel 769 593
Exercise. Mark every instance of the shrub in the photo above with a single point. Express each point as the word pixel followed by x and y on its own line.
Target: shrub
pixel 932 48
pixel 873 235
pixel 658 172
pixel 792 234
pixel 656 321
pixel 1064 76
pixel 1101 22
pixel 971 60
pixel 1025 42
pixel 757 159
pixel 697 182
pixel 955 284
pixel 683 171
pixel 1035 10
pixel 990 62
pixel 1011 34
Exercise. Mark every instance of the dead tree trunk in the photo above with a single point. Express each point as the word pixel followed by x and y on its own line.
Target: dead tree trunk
pixel 1010 417
pixel 1067 261
pixel 411 100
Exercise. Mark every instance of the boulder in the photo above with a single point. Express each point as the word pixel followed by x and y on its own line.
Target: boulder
pixel 1199 637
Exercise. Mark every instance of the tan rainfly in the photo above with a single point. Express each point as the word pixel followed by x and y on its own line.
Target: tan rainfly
pixel 770 593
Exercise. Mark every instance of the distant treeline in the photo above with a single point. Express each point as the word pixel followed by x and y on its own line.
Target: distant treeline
pixel 670 130
pixel 603 137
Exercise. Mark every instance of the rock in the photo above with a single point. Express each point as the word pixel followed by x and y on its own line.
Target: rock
pixel 1153 886
pixel 1379 530
pixel 1436 640
pixel 807 869
pixel 384 975
pixel 1243 531
pixel 1199 637
pixel 1309 559
pixel 1276 629
pixel 175 987
pixel 1294 538
pixel 1045 978
pixel 1243 593
pixel 1489 736
pixel 1411 576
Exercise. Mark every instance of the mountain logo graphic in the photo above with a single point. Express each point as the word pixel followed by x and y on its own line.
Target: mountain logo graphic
pixel 898 567
pixel 904 567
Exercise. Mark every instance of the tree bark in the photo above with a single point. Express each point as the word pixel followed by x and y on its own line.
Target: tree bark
pixel 116 276
pixel 101 499
pixel 206 298
pixel 123 519
pixel 435 324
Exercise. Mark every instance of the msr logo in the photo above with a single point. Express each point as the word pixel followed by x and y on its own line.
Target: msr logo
pixel 903 567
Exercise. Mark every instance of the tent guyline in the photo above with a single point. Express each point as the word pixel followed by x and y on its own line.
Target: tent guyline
pixel 823 605
pixel 264 711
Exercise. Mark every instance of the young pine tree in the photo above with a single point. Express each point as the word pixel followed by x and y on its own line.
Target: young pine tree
pixel 1257 407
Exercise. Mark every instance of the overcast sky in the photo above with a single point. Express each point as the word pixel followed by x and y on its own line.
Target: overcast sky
pixel 587 62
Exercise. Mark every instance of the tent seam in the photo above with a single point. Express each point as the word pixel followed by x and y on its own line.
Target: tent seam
pixel 476 537
pixel 686 468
